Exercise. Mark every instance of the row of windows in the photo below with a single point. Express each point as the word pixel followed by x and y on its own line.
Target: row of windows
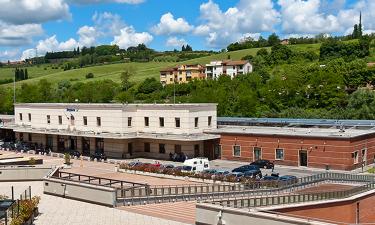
pixel 29 116
pixel 146 120
pixel 257 151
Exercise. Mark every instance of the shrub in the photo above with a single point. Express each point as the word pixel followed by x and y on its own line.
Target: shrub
pixel 67 159
pixel 32 161
pixel 89 75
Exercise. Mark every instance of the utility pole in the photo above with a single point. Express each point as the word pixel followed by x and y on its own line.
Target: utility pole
pixel 14 89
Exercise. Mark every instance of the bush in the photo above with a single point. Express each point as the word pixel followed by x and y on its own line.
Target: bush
pixel 32 161
pixel 67 159
pixel 89 75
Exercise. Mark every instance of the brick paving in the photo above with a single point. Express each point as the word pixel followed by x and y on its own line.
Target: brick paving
pixel 179 211
pixel 60 211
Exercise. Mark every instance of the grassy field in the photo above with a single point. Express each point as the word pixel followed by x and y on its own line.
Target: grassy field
pixel 112 71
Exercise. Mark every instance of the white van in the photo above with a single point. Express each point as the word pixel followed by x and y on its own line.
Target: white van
pixel 197 164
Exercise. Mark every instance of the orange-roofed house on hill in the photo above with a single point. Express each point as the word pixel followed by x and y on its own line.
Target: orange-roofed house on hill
pixel 182 74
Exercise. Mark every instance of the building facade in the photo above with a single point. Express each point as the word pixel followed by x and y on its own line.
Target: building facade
pixel 119 130
pixel 306 147
pixel 228 67
pixel 182 74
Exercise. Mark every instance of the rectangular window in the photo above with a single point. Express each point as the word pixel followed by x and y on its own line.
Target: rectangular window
pixel 99 145
pixel 147 147
pixel 209 121
pixel 177 121
pixel 20 116
pixel 355 155
pixel 30 138
pixel 162 148
pixel 161 121
pixel 237 150
pixel 129 121
pixel 196 119
pixel 98 121
pixel 60 120
pixel 147 121
pixel 85 120
pixel 279 154
pixel 257 153
pixel 29 117
pixel 196 151
pixel 72 119
pixel 48 119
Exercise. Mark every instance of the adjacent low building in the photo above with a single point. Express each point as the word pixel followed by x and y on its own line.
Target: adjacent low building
pixel 119 130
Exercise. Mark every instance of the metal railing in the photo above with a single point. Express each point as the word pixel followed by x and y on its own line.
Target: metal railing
pixel 159 194
pixel 263 201
pixel 100 181
pixel 14 210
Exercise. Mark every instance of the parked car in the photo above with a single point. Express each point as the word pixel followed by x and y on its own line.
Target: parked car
pixel 134 163
pixel 236 175
pixel 221 172
pixel 209 171
pixel 270 178
pixel 245 168
pixel 74 153
pixel 198 164
pixel 253 173
pixel 98 156
pixel 262 163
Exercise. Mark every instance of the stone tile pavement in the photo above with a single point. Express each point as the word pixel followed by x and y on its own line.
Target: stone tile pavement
pixel 60 211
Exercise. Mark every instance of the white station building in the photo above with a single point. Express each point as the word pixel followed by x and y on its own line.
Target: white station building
pixel 120 130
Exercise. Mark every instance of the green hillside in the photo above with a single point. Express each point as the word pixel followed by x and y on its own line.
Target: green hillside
pixel 112 71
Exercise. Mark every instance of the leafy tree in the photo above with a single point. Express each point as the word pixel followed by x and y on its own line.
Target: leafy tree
pixel 262 52
pixel 273 39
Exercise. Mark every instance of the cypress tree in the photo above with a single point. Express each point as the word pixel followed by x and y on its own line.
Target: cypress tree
pixel 22 75
pixel 183 48
pixel 26 74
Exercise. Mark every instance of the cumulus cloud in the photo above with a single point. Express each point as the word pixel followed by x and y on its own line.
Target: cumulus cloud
pixel 87 36
pixel 50 44
pixel 248 16
pixel 169 25
pixel 304 17
pixel 18 35
pixel 9 54
pixel 175 42
pixel 129 37
pixel 33 11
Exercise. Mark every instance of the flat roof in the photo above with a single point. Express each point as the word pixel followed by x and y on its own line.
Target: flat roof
pixel 128 107
pixel 292 131
pixel 293 122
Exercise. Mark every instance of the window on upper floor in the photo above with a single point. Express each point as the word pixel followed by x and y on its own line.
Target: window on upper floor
pixel 60 120
pixel 209 121
pixel 48 119
pixel 147 121
pixel 161 121
pixel 196 120
pixel 72 120
pixel 29 117
pixel 177 122
pixel 85 121
pixel 20 116
pixel 129 121
pixel 98 121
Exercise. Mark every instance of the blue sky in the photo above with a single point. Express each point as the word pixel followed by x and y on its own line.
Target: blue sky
pixel 55 25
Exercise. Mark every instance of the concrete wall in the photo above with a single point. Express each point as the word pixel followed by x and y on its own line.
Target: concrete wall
pixel 336 153
pixel 23 173
pixel 208 214
pixel 84 192
pixel 114 117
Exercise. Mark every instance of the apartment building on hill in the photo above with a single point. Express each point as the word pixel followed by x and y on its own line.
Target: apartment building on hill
pixel 182 74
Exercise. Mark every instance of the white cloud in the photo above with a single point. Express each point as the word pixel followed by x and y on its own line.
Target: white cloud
pixel 304 17
pixel 33 11
pixel 87 36
pixel 108 23
pixel 9 54
pixel 50 44
pixel 17 35
pixel 106 1
pixel 168 25
pixel 129 37
pixel 224 27
pixel 175 42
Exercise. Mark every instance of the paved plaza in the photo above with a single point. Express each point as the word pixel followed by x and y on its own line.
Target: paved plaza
pixel 62 211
